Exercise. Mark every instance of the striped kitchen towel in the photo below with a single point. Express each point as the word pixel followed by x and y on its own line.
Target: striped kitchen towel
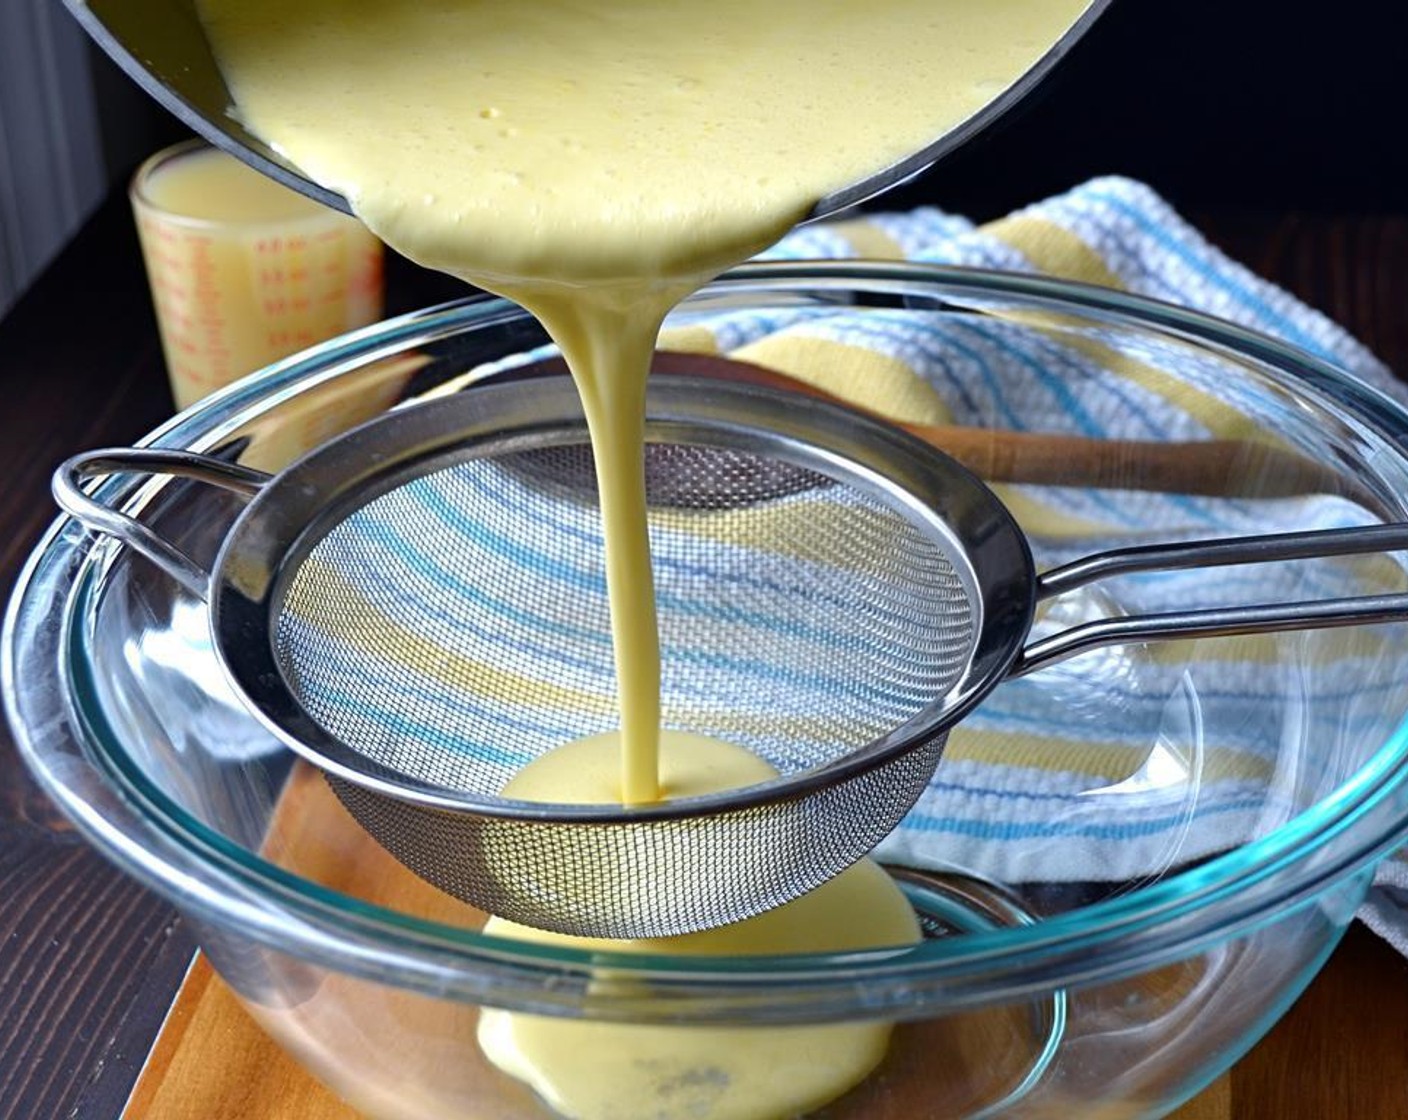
pixel 1041 768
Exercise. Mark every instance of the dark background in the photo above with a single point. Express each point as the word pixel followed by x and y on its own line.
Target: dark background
pixel 1252 103
pixel 1242 103
pixel 1213 102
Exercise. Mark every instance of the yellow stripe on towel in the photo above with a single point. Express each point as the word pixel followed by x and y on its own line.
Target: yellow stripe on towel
pixel 868 239
pixel 1048 522
pixel 434 661
pixel 873 380
pixel 688 340
pixel 1054 249
pixel 1110 762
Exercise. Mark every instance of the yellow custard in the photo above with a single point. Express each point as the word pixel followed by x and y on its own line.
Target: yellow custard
pixel 619 1071
pixel 596 161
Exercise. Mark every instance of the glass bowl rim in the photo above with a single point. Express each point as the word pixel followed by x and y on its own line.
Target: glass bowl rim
pixel 1151 925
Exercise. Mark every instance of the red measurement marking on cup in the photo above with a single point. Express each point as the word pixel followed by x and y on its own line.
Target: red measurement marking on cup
pixel 211 362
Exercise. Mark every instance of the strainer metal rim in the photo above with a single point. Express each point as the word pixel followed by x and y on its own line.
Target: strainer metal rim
pixel 281 524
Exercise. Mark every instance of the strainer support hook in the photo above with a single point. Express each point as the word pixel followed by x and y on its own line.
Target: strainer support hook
pixel 75 500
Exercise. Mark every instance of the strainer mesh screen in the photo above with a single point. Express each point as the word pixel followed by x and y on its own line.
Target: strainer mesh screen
pixel 455 627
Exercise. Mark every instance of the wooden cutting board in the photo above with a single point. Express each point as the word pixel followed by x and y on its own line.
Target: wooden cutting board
pixel 212 1062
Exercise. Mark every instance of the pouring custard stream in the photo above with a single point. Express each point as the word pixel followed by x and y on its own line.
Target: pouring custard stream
pixel 596 162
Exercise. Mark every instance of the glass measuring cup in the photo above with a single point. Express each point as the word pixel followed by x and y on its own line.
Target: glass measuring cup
pixel 244 272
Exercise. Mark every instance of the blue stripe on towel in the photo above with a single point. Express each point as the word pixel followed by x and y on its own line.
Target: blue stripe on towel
pixel 1047 830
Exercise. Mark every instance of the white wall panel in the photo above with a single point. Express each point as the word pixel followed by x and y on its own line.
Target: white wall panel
pixel 51 161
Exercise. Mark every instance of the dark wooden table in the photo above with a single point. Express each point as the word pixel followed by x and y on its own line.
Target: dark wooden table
pixel 89 962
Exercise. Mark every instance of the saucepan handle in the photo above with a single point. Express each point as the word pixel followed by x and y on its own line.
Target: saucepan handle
pixel 68 491
pixel 1253 619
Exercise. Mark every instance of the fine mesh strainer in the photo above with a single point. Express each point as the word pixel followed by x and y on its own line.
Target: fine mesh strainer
pixel 418 609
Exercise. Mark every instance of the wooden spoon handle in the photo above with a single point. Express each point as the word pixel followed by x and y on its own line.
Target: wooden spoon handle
pixel 1216 468
pixel 1220 468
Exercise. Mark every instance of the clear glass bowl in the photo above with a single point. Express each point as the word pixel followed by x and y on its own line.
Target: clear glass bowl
pixel 1128 864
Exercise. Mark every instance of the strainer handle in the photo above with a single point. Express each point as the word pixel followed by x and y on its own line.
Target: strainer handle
pixel 68 491
pixel 1216 622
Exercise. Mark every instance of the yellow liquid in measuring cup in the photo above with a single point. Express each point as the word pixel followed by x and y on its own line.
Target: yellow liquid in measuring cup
pixel 245 271
pixel 596 162
pixel 208 185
